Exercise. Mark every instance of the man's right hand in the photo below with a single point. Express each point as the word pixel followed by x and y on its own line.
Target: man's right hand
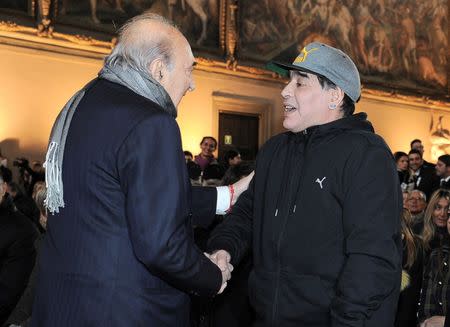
pixel 222 259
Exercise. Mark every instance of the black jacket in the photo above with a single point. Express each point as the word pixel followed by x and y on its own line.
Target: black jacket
pixel 322 215
pixel 17 255
pixel 426 181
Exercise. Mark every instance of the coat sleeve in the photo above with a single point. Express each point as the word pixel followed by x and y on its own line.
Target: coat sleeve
pixel 371 223
pixel 153 176
pixel 204 200
pixel 235 233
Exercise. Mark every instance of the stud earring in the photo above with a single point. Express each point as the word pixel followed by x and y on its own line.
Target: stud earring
pixel 332 106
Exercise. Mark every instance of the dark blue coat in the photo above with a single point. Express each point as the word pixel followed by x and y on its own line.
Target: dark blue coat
pixel 121 252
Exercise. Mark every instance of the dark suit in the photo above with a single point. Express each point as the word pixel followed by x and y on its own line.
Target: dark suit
pixel 121 253
pixel 445 185
pixel 426 181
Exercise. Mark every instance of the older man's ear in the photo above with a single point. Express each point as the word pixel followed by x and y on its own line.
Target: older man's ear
pixel 156 69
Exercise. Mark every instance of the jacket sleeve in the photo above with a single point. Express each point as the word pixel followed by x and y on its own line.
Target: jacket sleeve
pixel 153 176
pixel 371 223
pixel 204 200
pixel 235 233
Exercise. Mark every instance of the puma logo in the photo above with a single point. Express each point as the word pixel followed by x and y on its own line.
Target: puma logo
pixel 320 181
pixel 303 55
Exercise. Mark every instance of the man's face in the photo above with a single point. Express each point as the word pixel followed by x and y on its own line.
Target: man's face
pixel 418 146
pixel 178 79
pixel 305 102
pixel 415 161
pixel 416 204
pixel 441 169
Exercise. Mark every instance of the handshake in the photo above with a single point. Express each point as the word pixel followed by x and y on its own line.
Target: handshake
pixel 221 259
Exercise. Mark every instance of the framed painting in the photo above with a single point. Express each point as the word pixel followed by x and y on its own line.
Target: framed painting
pixel 197 19
pixel 400 45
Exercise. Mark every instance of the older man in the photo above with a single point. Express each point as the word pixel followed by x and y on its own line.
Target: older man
pixel 417 203
pixel 119 251
pixel 322 213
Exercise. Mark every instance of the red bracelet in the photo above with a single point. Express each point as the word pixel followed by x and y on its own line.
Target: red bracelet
pixel 231 189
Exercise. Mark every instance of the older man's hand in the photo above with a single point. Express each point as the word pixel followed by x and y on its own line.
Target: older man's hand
pixel 435 321
pixel 222 259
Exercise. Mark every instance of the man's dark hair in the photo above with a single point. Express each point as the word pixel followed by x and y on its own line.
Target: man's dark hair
pixel 230 154
pixel 347 106
pixel 194 170
pixel 412 151
pixel 235 173
pixel 212 171
pixel 445 158
pixel 414 141
pixel 398 155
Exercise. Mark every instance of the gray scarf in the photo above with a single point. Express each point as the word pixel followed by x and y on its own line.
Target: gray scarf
pixel 137 81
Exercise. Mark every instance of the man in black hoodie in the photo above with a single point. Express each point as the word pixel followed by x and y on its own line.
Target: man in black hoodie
pixel 322 213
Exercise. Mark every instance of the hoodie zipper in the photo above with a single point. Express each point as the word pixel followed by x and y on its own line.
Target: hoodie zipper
pixel 289 213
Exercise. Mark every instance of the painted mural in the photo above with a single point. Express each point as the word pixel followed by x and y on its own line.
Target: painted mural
pixel 198 19
pixel 399 43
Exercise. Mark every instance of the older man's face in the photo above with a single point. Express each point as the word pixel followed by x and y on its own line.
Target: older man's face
pixel 416 203
pixel 178 79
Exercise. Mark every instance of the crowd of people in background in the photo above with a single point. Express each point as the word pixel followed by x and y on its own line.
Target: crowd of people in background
pixel 425 233
pixel 23 220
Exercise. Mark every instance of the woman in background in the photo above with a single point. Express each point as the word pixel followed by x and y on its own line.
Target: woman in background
pixel 411 274
pixel 206 157
pixel 401 161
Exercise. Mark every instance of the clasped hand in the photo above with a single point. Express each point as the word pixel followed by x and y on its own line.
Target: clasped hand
pixel 222 259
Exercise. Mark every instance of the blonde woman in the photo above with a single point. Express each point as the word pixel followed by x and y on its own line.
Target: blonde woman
pixel 436 274
pixel 435 219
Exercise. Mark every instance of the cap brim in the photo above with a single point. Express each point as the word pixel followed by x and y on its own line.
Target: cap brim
pixel 283 69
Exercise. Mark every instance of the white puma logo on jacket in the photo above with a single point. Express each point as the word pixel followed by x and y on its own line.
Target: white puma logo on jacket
pixel 320 182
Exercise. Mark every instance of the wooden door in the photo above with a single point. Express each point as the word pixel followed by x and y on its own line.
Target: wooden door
pixel 238 131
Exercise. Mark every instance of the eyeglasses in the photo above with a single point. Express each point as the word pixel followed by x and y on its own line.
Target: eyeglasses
pixel 416 199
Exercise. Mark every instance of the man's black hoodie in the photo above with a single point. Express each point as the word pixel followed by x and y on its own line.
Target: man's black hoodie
pixel 322 216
